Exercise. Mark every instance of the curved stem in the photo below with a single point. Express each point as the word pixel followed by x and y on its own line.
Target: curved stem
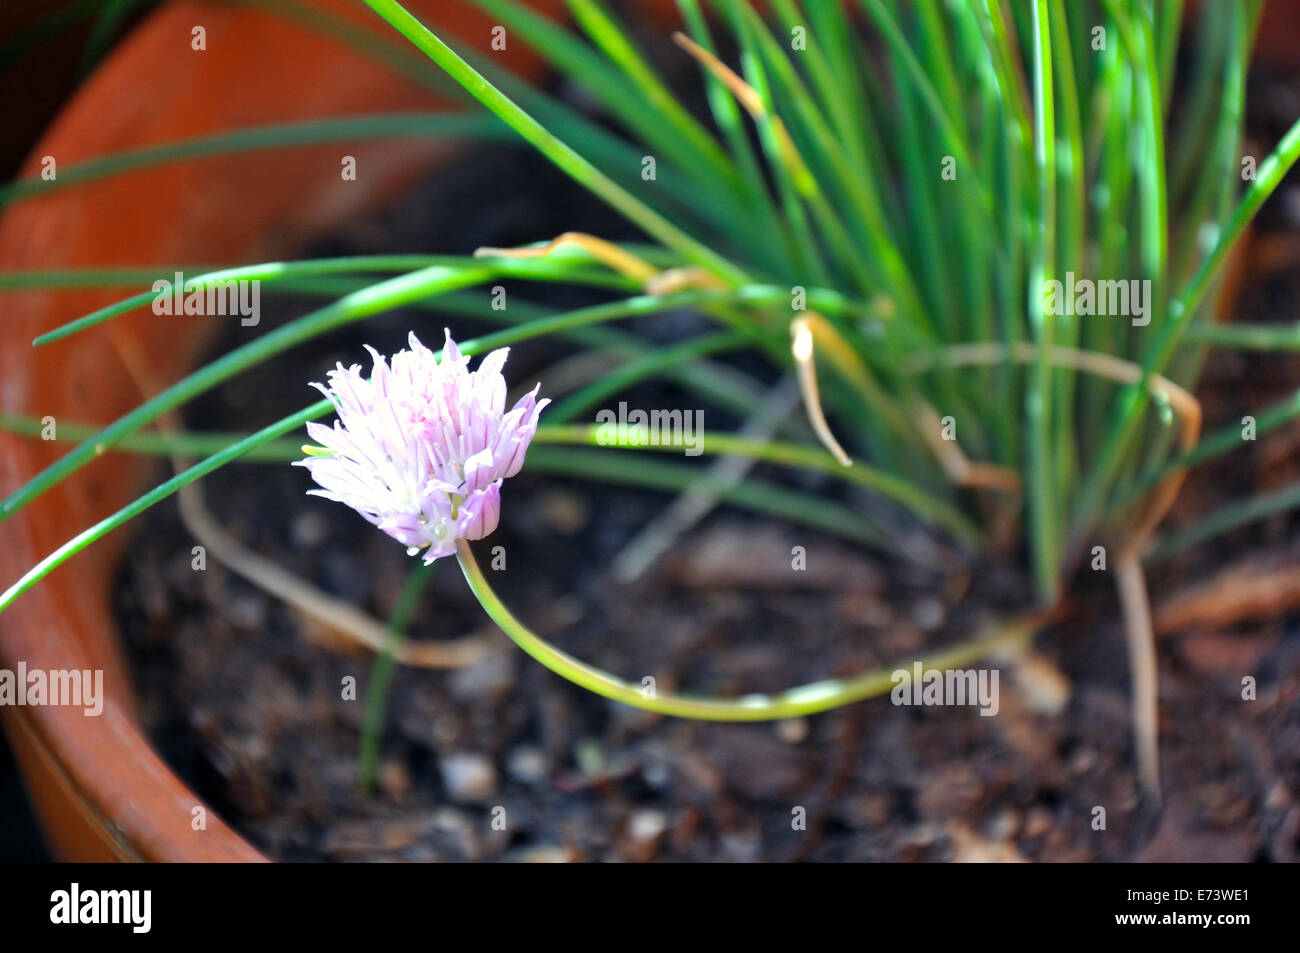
pixel 1139 635
pixel 1112 368
pixel 804 700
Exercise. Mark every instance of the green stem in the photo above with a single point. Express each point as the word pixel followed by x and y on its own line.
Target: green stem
pixel 158 443
pixel 792 703
pixel 156 495
pixel 260 139
pixel 528 269
pixel 1228 517
pixel 564 156
pixel 1043 504
pixel 869 478
pixel 1223 441
pixel 405 289
pixel 381 675
pixel 380 297
pixel 800 507
pixel 1181 311
pixel 1247 337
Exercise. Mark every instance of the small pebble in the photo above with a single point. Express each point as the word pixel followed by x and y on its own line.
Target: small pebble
pixel 493 675
pixel 1279 797
pixel 1044 687
pixel 468 776
pixel 792 731
pixel 647 825
pixel 1004 825
pixel 545 855
pixel 395 779
pixel 968 847
pixel 1037 822
pixel 528 764
pixel 1083 761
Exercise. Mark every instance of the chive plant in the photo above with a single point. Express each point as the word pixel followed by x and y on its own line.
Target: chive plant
pixel 984 237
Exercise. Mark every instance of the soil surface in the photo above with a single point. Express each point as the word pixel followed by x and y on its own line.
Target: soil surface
pixel 246 702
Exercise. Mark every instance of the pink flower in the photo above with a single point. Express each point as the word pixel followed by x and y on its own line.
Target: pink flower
pixel 421 448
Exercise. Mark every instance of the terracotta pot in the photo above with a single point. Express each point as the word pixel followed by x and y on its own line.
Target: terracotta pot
pixel 101 791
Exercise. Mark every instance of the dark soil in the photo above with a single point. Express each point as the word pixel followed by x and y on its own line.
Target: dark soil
pixel 246 702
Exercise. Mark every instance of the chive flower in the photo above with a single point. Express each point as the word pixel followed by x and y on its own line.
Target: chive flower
pixel 422 447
